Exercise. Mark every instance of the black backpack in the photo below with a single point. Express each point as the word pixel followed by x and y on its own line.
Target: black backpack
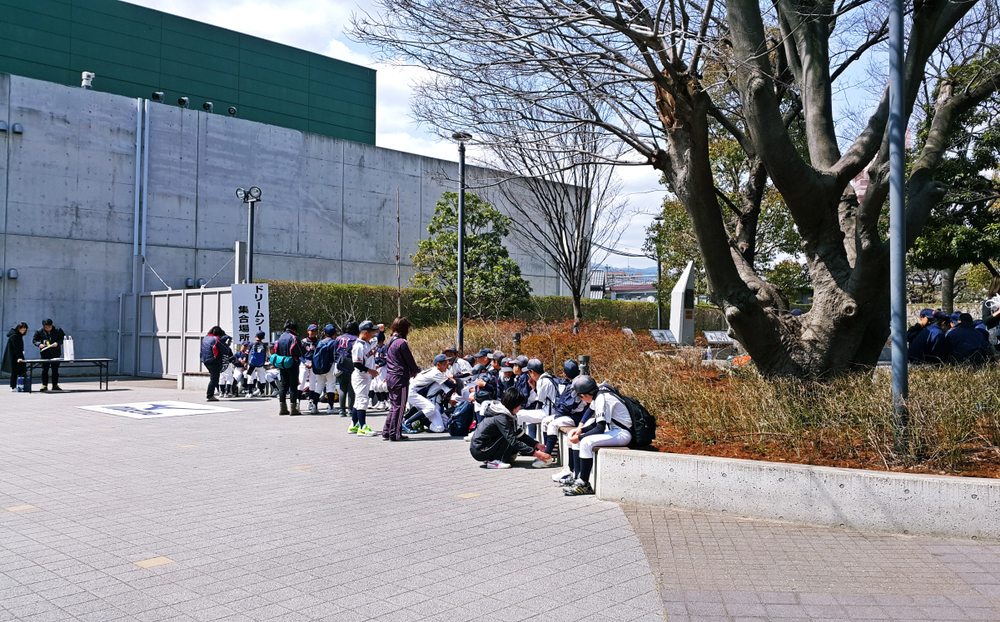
pixel 343 353
pixel 643 426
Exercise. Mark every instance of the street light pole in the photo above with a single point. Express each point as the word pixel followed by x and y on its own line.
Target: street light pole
pixel 897 228
pixel 461 138
pixel 250 197
pixel 659 278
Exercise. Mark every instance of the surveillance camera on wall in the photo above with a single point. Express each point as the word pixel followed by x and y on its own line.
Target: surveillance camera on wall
pixel 232 111
pixel 208 106
pixel 183 102
pixel 87 79
pixel 158 96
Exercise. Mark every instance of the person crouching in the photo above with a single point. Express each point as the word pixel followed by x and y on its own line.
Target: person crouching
pixel 496 440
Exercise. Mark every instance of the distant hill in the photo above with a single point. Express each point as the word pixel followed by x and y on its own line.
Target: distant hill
pixel 650 270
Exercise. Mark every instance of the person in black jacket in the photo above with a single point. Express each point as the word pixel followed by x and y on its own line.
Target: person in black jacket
pixel 13 354
pixel 214 354
pixel 49 339
pixel 496 440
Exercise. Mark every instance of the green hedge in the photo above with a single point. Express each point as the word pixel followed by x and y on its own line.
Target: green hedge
pixel 319 303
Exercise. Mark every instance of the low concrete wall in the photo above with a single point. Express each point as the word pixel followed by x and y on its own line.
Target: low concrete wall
pixel 934 505
pixel 193 381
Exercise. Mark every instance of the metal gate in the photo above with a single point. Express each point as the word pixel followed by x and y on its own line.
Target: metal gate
pixel 170 327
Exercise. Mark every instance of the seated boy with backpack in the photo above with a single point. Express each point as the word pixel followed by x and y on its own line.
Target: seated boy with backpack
pixel 497 440
pixel 610 426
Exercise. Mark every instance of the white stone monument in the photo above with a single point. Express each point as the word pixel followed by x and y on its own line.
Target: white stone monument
pixel 682 307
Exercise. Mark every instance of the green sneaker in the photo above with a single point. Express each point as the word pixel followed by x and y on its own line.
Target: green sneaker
pixel 353 429
pixel 365 431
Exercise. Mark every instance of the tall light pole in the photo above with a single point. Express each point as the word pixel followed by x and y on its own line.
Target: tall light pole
pixel 659 276
pixel 897 228
pixel 250 197
pixel 461 138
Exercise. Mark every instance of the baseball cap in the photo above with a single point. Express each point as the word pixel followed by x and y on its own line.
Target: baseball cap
pixel 330 330
pixel 497 355
pixel 261 334
pixel 956 317
pixel 478 368
pixel 927 313
pixel 483 352
pixel 450 349
pixel 521 361
pixel 368 325
pixel 440 358
pixel 313 327
pixel 536 366
pixel 796 311
pixel 965 318
pixel 506 368
pixel 571 369
pixel 941 316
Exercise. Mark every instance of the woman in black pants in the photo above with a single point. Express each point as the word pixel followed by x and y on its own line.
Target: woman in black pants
pixel 13 354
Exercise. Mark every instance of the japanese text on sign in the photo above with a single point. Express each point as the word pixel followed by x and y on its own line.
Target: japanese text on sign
pixel 250 310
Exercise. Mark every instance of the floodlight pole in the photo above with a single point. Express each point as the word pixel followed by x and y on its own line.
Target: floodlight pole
pixel 251 203
pixel 897 228
pixel 461 138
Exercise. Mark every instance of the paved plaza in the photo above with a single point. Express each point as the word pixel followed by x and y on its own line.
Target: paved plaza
pixel 245 515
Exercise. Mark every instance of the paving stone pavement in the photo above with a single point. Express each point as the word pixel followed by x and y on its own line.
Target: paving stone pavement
pixel 288 518
pixel 264 517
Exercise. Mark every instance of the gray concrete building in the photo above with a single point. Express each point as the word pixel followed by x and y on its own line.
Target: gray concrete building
pixel 90 180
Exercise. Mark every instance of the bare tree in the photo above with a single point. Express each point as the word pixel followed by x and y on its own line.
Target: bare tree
pixel 563 200
pixel 649 73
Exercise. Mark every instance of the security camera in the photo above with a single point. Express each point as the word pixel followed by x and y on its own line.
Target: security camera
pixel 158 96
pixel 232 111
pixel 208 106
pixel 183 102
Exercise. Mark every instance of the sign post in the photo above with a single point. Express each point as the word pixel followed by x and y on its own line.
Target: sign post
pixel 250 310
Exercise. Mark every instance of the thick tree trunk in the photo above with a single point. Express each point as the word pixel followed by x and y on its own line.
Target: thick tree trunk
pixel 948 290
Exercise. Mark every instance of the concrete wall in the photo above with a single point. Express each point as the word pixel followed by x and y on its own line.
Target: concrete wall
pixel 68 201
pixel 932 505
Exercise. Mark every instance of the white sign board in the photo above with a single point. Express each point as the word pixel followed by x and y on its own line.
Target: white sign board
pixel 250 311
pixel 155 410
pixel 718 338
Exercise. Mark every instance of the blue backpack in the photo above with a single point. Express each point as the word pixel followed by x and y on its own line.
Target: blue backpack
pixel 258 354
pixel 343 353
pixel 323 356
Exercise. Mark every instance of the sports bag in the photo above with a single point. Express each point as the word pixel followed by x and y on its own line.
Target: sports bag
pixel 461 420
pixel 323 356
pixel 282 362
pixel 643 426
pixel 566 402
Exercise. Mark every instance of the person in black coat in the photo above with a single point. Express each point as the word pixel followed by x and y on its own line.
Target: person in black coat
pixel 49 339
pixel 496 440
pixel 13 354
pixel 968 345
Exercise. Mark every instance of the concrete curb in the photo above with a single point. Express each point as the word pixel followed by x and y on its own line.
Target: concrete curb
pixel 931 505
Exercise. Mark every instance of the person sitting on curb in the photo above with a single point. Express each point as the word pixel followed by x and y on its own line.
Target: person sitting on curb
pixel 496 441
pixel 609 427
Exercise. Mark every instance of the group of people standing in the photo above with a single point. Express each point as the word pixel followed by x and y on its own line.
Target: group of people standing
pixel 48 340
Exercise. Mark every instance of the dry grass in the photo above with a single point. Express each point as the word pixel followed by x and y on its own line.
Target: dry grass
pixel 955 412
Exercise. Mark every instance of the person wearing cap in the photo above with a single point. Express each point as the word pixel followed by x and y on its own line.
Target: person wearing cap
pixel 930 345
pixel 345 345
pixel 609 426
pixel 460 368
pixel 308 344
pixel 365 370
pixel 521 376
pixel 968 345
pixel 323 383
pixel 567 413
pixel 496 358
pixel 239 363
pixel 483 357
pixel 379 389
pixel 542 397
pixel 429 388
pixel 256 360
pixel 227 374
pixel 925 317
pixel 505 380
pixel 496 441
